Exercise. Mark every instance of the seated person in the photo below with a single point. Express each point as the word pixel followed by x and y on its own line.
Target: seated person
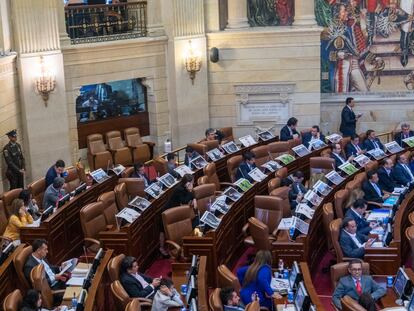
pixel 385 175
pixel 289 131
pixel 32 301
pixel 372 190
pixel 57 170
pixel 314 134
pixel 256 278
pixel 166 297
pixel 402 173
pixel 405 133
pixel 230 300
pixel 372 142
pixel 53 193
pixel 352 243
pixel 355 284
pixel 297 190
pixel 30 204
pixel 139 172
pixel 357 213
pixel 18 219
pixel 38 256
pixel 354 148
pixel 137 285
pixel 338 156
pixel 172 164
pixel 211 134
pixel 190 155
pixel 246 166
pixel 367 302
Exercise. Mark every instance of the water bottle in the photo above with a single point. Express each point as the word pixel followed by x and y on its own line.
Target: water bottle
pixel 280 267
pixel 291 232
pixel 290 296
pixel 74 301
pixel 167 146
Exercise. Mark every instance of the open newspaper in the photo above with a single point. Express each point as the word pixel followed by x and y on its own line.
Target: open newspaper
pixel 285 223
pixel 215 154
pixel 230 147
pixel 118 169
pixel 299 224
pixel 286 158
pixel 334 138
pixel 265 135
pixel 313 197
pixel 154 190
pixel 220 205
pixel 304 209
pixel 301 150
pixel 232 194
pixel 393 147
pixel 271 165
pixel 243 184
pixel 322 188
pixel 183 169
pixel 348 168
pixel 377 154
pixel 247 140
pixel 409 141
pixel 316 144
pixel 362 160
pixel 210 220
pixel 128 215
pixel 334 177
pixel 167 180
pixel 99 175
pixel 199 162
pixel 257 175
pixel 139 203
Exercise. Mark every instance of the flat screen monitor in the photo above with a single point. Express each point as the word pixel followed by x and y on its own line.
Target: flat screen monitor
pixel 46 213
pixel 88 280
pixel 302 301
pixel 294 277
pixel 410 306
pixel 80 188
pixel 97 259
pixel 6 252
pixel 191 289
pixel 387 235
pixel 400 283
pixel 194 266
pixel 63 200
pixel 193 305
pixel 81 301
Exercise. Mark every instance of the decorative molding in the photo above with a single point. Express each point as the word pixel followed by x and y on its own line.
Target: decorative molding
pixel 188 17
pixel 7 65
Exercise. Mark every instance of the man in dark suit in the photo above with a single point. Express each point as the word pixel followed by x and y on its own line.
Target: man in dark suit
pixel 135 283
pixel 139 172
pixel 405 133
pixel 38 256
pixel 354 148
pixel 355 284
pixel 190 154
pixel 372 191
pixel 338 156
pixel 402 173
pixel 385 175
pixel 348 118
pixel 314 134
pixel 246 166
pixel 372 142
pixel 357 212
pixel 352 243
pixel 289 130
pixel 297 189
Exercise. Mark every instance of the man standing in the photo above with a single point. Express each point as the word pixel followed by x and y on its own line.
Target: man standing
pixel 13 155
pixel 355 284
pixel 348 118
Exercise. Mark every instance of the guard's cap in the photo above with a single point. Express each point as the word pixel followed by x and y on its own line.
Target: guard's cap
pixel 12 133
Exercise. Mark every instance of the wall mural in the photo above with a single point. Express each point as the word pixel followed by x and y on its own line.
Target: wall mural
pixel 270 12
pixel 366 45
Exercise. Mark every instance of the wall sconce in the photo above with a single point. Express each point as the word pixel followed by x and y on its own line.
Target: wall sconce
pixel 45 82
pixel 192 61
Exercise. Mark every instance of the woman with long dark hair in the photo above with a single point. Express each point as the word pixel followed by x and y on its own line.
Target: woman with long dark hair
pixel 256 278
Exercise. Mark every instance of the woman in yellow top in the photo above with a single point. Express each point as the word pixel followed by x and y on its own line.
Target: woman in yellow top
pixel 19 218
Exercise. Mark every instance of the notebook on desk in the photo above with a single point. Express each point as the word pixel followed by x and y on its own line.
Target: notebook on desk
pixel 289 307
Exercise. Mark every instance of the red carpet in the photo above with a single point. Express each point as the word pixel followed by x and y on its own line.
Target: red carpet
pixel 160 267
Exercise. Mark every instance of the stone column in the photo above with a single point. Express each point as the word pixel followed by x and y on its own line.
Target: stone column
pixel 154 17
pixel 63 35
pixel 304 13
pixel 237 12
pixel 5 29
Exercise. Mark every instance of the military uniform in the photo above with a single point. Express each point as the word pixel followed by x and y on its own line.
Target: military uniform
pixel 13 155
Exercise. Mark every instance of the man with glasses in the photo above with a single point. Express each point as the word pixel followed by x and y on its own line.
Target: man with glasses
pixel 355 284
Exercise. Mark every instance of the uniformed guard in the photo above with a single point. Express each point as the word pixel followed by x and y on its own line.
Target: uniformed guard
pixel 13 155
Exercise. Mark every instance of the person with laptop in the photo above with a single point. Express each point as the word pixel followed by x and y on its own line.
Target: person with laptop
pixel 356 284
pixel 54 193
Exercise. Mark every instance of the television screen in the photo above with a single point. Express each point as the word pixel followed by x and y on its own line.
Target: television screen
pixel 411 304
pixel 191 289
pixel 400 282
pixel 300 297
pixel 293 277
pixel 110 99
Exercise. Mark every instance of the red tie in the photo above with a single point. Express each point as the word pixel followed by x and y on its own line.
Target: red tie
pixel 358 287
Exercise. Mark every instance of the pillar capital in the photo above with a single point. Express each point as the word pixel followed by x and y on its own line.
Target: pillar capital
pixel 237 14
pixel 304 13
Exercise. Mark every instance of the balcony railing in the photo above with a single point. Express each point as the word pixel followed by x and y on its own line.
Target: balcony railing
pixel 98 23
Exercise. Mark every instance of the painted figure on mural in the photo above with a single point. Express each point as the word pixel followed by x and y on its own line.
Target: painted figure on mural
pixel 270 12
pixel 285 11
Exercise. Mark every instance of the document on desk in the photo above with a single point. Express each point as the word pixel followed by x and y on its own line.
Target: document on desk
pixel 377 244
pixel 334 177
pixel 35 224
pixel 257 175
pixel 279 284
pixel 378 214
pixel 285 223
pixel 75 281
pixel 304 209
pixel 301 225
pixel 399 190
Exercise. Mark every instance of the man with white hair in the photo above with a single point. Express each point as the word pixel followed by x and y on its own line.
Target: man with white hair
pixel 405 133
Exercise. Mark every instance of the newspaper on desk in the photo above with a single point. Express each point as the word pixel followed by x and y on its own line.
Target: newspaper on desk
pixel 118 169
pixel 128 214
pixel 68 265
pixel 230 147
pixel 265 135
pixel 257 175
pixel 301 150
pixel 362 160
pixel 278 284
pixel 299 224
pixel 334 177
pixel 316 144
pixel 304 209
pixel 167 180
pixel 210 219
pixel 348 168
pixel 322 188
pixel 183 169
pixel 243 184
pixel 220 205
pixel 313 197
pixel 272 166
pixel 34 224
pixel 399 190
pixel 215 154
pixel 139 203
pixel 286 158
pixel 285 223
pixel 154 190
pixel 99 175
pixel 247 140
pixel 379 214
pixel 232 194
pixel 199 162
pixel 409 141
pixel 377 154
pixel 334 138
pixel 393 147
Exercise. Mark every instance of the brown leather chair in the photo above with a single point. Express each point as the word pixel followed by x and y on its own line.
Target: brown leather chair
pixel 232 164
pixel 12 301
pixel 227 133
pixel 161 166
pixel 98 154
pixel 371 165
pixel 328 216
pixel 142 151
pixel 269 210
pixel 110 208
pixel 204 195
pixel 134 186
pixel 19 261
pixel 278 148
pixel 177 224
pixel 261 155
pixel 8 197
pixel 273 184
pixel 93 221
pixel 127 172
pixel 37 189
pixel 260 234
pixel 319 166
pixel 340 199
pixel 120 153
pixel 335 229
pixel 283 193
pixel 121 297
pixel 73 178
pixel 215 301
pixel 344 141
pixel 133 305
pixel 360 177
pixel 40 283
pixel 282 173
pixel 293 143
pixel 121 195
pixel 341 269
pixel 349 304
pixel 114 267
pixel 410 217
pixel 226 278
pixel 210 177
pixel 409 234
pixel 199 148
pixel 210 144
pixel 3 218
